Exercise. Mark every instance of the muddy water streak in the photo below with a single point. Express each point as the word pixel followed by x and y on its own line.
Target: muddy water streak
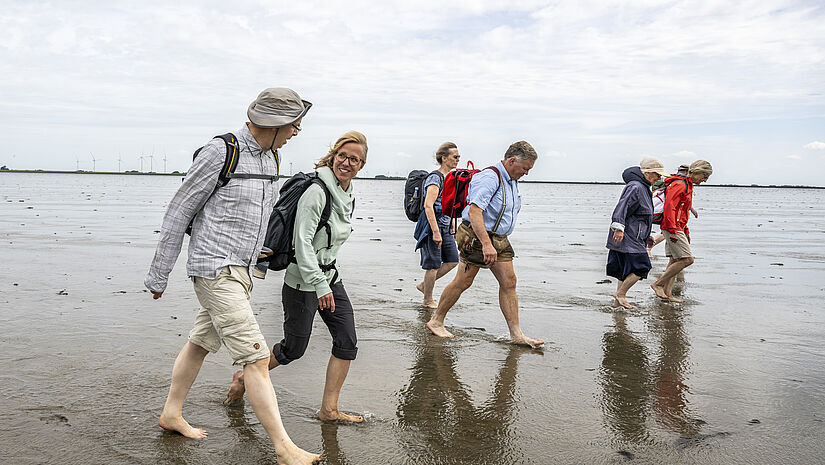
pixel 733 376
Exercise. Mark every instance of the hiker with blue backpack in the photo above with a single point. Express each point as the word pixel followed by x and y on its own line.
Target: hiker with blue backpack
pixel 492 205
pixel 225 200
pixel 312 283
pixel 439 254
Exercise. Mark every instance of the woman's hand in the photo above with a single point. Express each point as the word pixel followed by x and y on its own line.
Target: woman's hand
pixel 437 238
pixel 618 236
pixel 326 302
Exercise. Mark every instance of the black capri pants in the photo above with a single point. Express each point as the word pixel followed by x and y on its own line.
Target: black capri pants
pixel 299 312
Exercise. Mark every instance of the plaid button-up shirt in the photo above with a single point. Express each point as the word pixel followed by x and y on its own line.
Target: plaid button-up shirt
pixel 229 222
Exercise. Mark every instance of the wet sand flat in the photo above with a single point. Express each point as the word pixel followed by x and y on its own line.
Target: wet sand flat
pixel 734 375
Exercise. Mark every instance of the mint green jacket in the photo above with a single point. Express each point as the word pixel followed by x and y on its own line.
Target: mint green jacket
pixel 311 247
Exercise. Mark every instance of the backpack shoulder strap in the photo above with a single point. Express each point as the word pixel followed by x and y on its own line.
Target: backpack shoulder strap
pixel 231 161
pixel 327 211
pixel 499 181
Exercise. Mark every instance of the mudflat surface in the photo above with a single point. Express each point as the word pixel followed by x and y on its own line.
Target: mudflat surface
pixel 734 375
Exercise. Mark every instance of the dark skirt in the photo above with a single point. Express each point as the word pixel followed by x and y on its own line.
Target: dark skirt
pixel 620 264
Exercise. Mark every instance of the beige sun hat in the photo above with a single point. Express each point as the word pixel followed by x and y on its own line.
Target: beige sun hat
pixel 277 107
pixel 652 165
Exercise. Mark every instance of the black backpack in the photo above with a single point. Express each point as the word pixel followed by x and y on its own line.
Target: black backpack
pixel 282 220
pixel 414 192
pixel 230 164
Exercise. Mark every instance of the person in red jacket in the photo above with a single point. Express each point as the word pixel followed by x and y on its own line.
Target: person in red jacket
pixel 678 201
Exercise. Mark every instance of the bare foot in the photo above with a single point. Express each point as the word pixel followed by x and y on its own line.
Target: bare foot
pixel 660 291
pixel 179 425
pixel 294 455
pixel 236 390
pixel 674 299
pixel 622 300
pixel 526 341
pixel 338 415
pixel 430 304
pixel 420 287
pixel 438 329
pixel 616 303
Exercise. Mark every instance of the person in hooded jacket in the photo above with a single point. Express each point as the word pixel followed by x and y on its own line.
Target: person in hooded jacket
pixel 312 283
pixel 627 259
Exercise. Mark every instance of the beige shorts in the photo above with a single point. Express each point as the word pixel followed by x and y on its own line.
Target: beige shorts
pixel 678 249
pixel 226 316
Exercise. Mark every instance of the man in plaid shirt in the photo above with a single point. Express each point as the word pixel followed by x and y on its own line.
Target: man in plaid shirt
pixel 228 228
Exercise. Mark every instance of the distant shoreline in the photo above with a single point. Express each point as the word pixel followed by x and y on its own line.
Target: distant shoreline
pixel 398 178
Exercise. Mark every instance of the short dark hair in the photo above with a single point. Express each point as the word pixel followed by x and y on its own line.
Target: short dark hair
pixel 521 150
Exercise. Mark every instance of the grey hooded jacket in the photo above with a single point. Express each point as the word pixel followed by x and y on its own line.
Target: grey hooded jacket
pixel 633 214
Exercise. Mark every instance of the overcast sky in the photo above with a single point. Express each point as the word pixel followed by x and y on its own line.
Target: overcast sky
pixel 594 85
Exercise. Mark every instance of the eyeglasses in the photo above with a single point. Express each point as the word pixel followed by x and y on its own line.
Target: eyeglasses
pixel 296 127
pixel 353 160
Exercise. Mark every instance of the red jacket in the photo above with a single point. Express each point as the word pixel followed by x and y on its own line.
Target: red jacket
pixel 678 199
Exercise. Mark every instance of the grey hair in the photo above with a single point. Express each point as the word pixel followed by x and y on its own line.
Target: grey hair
pixel 522 151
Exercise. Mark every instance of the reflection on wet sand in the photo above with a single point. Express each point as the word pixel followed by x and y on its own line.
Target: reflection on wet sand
pixel 639 383
pixel 438 421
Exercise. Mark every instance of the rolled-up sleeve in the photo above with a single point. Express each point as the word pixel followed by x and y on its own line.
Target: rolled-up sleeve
pixel 197 186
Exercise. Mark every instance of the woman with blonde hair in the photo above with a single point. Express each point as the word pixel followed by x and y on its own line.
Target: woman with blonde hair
pixel 312 283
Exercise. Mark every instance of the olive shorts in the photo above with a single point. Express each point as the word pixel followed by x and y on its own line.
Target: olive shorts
pixel 226 316
pixel 469 247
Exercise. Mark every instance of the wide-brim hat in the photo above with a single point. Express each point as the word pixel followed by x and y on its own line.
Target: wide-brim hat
pixel 277 107
pixel 659 171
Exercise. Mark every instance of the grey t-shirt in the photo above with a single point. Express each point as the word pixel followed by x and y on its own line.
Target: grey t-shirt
pixel 436 179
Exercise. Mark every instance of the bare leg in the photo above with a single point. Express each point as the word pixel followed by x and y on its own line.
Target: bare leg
pixel 656 240
pixel 337 370
pixel 616 302
pixel 620 295
pixel 508 301
pixel 186 368
pixel 237 389
pixel 426 287
pixel 462 281
pixel 663 287
pixel 430 277
pixel 265 405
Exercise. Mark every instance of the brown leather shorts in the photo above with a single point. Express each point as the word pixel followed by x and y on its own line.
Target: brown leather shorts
pixel 469 247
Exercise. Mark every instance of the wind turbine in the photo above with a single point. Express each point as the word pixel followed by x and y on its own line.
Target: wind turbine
pixel 118 162
pixel 151 160
pixel 141 163
pixel 164 161
pixel 94 160
pixel 77 162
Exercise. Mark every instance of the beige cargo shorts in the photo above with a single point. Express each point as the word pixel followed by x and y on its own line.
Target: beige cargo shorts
pixel 680 248
pixel 226 316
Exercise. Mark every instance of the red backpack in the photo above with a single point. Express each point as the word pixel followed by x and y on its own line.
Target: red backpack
pixel 454 192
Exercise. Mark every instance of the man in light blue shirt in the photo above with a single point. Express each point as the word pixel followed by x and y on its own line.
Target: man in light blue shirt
pixel 493 203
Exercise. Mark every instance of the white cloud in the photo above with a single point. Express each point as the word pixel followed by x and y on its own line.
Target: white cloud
pixel 815 145
pixel 683 155
pixel 555 154
pixel 793 157
pixel 588 78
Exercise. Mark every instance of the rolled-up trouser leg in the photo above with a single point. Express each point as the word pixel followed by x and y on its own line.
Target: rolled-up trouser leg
pixel 341 324
pixel 299 311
